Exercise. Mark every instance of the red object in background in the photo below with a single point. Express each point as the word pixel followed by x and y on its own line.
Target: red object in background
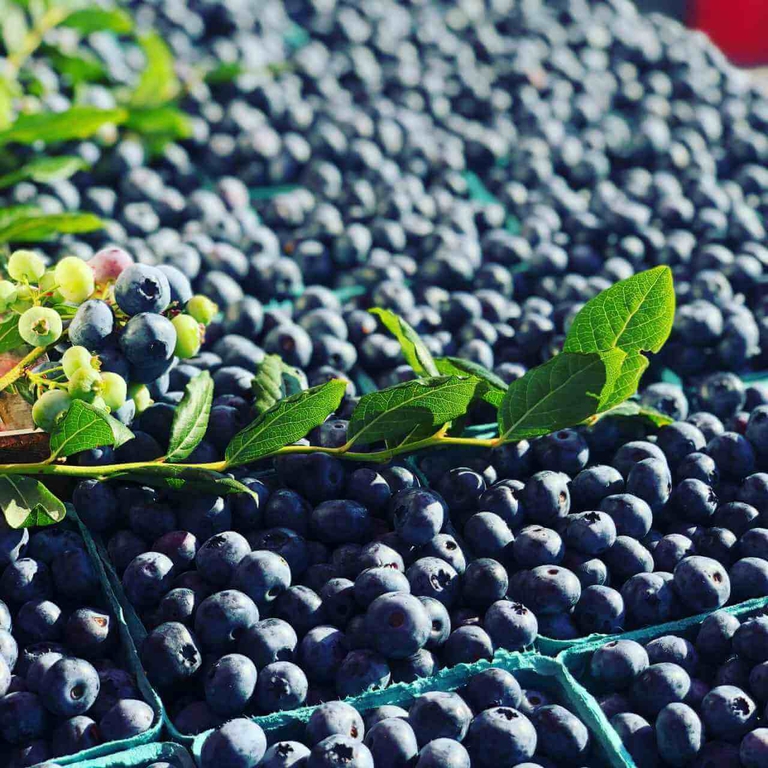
pixel 738 27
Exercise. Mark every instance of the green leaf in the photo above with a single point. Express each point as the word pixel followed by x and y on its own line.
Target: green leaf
pixel 275 380
pixel 632 408
pixel 223 73
pixel 286 422
pixel 164 121
pixel 45 170
pixel 27 503
pixel 393 412
pixel 415 351
pixel 186 479
pixel 562 392
pixel 87 20
pixel 10 338
pixel 16 212
pixel 14 28
pixel 37 228
pixel 625 382
pixel 7 92
pixel 78 68
pixel 158 83
pixel 191 417
pixel 635 315
pixel 84 427
pixel 491 388
pixel 80 122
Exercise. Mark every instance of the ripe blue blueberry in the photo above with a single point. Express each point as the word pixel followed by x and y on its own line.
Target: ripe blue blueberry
pixel 501 736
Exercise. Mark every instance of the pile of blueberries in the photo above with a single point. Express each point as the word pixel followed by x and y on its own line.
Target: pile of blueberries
pixel 266 603
pixel 63 685
pixel 491 722
pixel 617 141
pixel 702 703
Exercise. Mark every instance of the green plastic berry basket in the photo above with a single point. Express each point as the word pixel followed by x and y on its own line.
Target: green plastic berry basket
pixel 138 633
pixel 141 756
pixel 102 752
pixel 576 660
pixel 531 670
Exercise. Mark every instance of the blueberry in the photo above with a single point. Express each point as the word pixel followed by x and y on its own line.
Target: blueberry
pixel 627 558
pixel 551 589
pixel 443 753
pixel 240 743
pixel 39 620
pixel 440 622
pixel 300 606
pixel 25 579
pixel 649 599
pixel 22 718
pixel 651 481
pixel 749 578
pixel 561 735
pixel 281 685
pixel 438 715
pixel 546 498
pixel 563 451
pixel 92 325
pixel 466 645
pixel 141 288
pixel 679 733
pixel 590 533
pixel 392 743
pixel 722 394
pixel 339 603
pixel 370 489
pixel 337 751
pixel 493 688
pixel 321 651
pixel 89 632
pixel 461 488
pixel 694 500
pixel 753 750
pixel 484 582
pixel 535 545
pixel 733 454
pixel 667 399
pixel 631 515
pixel 600 609
pixel 728 713
pixel 147 578
pixel 170 655
pixel 69 687
pixel 268 641
pixel 502 735
pixel 638 737
pixel 398 625
pixel 487 535
pixel 676 650
pixel 445 547
pixel 223 618
pixel 698 466
pixel 285 754
pixel 230 684
pixel 262 575
pixel 334 718
pixel 339 521
pixel 362 671
pixel 659 685
pixel 510 625
pixel 736 516
pixel 126 719
pixel 592 485
pixel 751 638
pixel 433 577
pixel 417 514
pixel 633 453
pixel 754 543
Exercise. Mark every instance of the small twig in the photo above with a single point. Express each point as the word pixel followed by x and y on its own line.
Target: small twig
pixel 18 370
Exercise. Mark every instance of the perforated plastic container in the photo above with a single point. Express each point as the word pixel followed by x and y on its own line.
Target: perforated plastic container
pixel 141 756
pixel 130 661
pixel 531 670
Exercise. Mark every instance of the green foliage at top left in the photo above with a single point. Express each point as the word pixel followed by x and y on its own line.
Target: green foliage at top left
pixel 145 103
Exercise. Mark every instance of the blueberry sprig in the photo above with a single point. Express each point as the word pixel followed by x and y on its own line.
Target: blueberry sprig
pixel 594 374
